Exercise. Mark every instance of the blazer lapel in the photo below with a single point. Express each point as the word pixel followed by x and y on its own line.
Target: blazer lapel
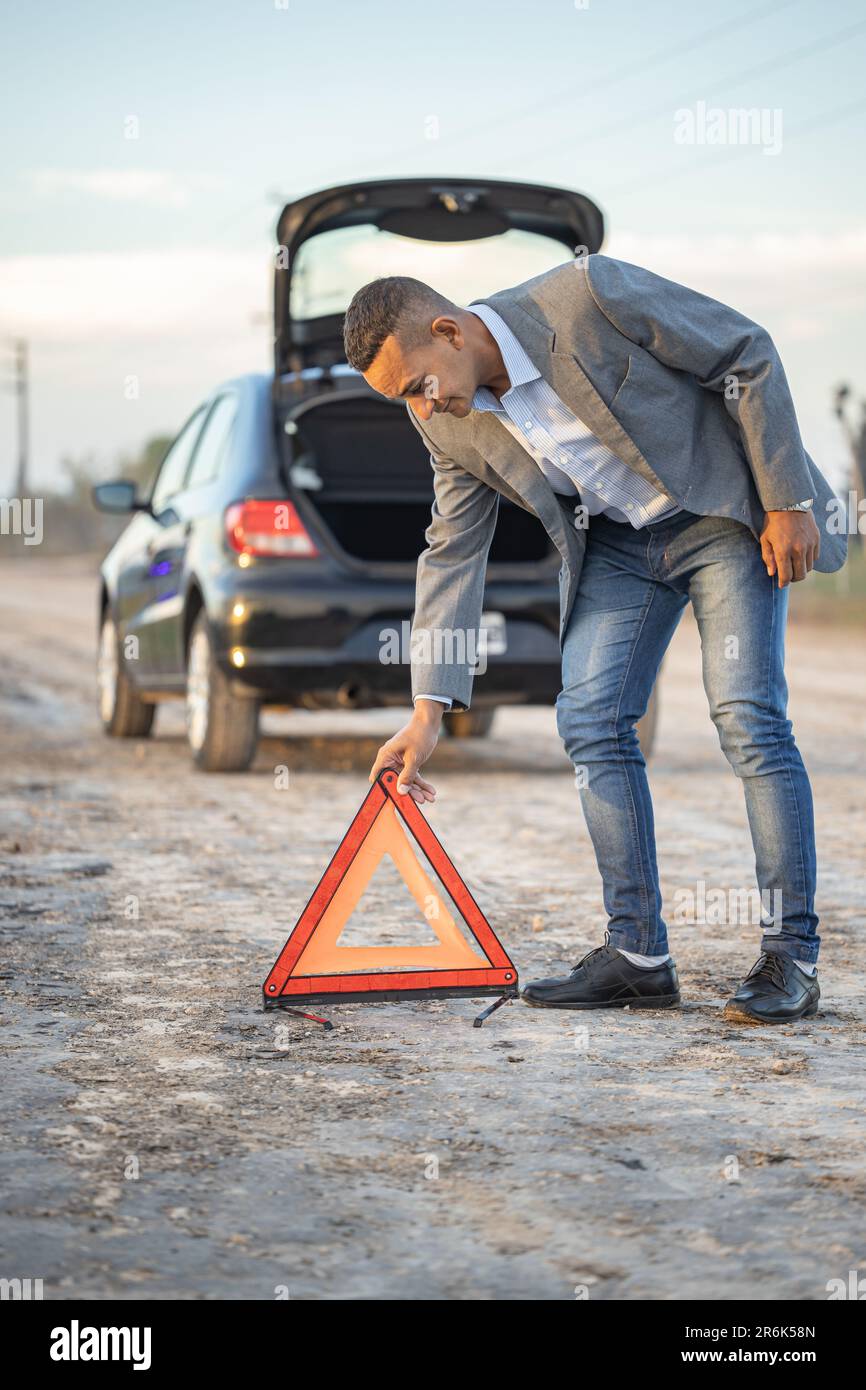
pixel 561 369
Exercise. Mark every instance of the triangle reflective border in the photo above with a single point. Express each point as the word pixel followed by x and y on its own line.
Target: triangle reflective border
pixel 313 967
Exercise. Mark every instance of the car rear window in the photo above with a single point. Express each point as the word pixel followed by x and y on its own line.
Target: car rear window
pixel 330 267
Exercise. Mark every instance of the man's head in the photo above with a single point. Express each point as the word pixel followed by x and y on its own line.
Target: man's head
pixel 409 341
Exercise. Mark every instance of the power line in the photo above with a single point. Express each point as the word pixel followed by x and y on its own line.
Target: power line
pixel 704 36
pixel 605 80
pixel 641 65
pixel 737 152
pixel 734 80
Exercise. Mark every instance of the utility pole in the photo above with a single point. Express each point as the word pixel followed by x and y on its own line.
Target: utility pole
pixel 855 434
pixel 20 385
pixel 23 397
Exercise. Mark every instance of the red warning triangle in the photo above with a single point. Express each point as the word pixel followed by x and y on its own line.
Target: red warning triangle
pixel 313 966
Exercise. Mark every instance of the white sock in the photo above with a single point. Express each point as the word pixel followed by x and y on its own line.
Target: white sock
pixel 807 967
pixel 645 962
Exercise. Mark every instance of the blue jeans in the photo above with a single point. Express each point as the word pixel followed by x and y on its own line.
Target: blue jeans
pixel 632 592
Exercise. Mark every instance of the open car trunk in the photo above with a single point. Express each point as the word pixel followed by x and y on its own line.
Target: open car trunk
pixel 466 236
pixel 363 469
pixel 354 456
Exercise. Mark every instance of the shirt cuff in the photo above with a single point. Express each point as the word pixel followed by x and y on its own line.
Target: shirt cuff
pixel 443 699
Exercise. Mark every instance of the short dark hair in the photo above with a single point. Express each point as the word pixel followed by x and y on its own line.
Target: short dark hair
pixel 392 304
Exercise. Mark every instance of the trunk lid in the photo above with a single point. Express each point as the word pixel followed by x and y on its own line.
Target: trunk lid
pixel 467 237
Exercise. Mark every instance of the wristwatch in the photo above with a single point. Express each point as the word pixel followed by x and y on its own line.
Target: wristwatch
pixel 798 506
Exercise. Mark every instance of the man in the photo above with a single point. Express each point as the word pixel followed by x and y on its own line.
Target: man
pixel 652 431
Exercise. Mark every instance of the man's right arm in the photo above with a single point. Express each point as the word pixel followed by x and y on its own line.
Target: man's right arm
pixel 449 584
pixel 449 595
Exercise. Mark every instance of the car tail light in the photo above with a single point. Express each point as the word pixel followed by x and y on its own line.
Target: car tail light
pixel 267 528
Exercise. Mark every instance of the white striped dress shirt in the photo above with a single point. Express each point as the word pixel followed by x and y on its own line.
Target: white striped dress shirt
pixel 569 455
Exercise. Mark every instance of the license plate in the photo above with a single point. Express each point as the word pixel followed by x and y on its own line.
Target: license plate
pixel 493 639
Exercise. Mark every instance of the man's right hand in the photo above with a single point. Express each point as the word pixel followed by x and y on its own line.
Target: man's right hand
pixel 409 749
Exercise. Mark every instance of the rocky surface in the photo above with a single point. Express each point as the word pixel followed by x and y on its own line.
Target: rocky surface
pixel 164 1138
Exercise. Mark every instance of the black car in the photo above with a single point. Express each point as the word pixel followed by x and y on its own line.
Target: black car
pixel 273 562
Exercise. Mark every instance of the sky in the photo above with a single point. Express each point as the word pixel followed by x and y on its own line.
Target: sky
pixel 147 151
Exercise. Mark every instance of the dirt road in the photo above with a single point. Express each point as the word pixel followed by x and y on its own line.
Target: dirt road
pixel 163 1138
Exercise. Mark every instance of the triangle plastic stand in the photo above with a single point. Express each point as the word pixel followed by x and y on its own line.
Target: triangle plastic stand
pixel 313 967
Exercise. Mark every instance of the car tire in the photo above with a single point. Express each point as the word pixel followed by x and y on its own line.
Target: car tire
pixel 121 711
pixel 222 728
pixel 646 727
pixel 469 723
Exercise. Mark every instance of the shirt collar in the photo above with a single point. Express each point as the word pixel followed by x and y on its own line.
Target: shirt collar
pixel 518 365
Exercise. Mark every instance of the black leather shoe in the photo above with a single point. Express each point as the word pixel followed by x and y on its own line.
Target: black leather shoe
pixel 606 980
pixel 774 991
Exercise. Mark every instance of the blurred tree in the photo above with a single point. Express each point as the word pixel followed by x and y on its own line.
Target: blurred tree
pixel 141 467
pixel 72 525
pixel 855 433
pixel 80 474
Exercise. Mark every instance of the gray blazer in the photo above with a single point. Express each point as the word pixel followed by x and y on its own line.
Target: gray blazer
pixel 687 392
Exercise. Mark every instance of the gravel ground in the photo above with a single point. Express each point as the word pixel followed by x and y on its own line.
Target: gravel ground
pixel 164 1138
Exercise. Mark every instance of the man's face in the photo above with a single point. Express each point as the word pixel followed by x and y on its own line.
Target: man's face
pixel 437 377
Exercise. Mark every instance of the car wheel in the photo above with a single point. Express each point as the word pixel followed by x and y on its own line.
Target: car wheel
pixel 121 712
pixel 469 723
pixel 646 727
pixel 222 729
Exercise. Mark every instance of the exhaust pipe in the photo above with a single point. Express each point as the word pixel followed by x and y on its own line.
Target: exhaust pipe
pixel 349 695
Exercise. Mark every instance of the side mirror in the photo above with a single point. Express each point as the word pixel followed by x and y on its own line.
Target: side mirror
pixel 117 497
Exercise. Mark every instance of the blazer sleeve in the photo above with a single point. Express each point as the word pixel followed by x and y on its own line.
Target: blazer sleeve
pixel 726 352
pixel 449 589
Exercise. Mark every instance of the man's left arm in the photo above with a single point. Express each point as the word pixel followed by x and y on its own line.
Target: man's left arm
pixel 726 352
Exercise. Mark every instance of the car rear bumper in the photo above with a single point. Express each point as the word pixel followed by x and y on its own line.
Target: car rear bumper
pixel 328 642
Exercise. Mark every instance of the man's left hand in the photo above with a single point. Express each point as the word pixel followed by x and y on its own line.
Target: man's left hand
pixel 790 543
